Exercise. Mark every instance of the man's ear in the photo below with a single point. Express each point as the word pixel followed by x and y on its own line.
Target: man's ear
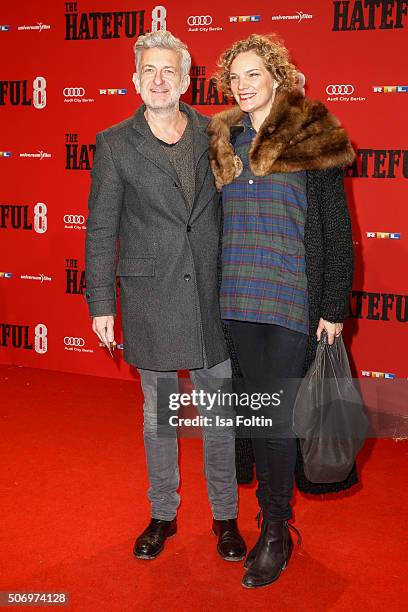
pixel 136 82
pixel 185 83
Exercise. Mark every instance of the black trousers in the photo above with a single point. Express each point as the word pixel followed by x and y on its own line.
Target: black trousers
pixel 269 355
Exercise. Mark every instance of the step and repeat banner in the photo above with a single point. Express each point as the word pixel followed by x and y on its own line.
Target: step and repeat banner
pixel 66 74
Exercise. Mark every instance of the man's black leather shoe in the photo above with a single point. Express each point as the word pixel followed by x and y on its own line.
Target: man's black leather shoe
pixel 231 545
pixel 150 543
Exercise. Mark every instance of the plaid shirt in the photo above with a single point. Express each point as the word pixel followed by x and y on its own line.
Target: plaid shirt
pixel 263 256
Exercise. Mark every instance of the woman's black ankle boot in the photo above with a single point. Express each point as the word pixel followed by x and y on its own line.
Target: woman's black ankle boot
pixel 273 551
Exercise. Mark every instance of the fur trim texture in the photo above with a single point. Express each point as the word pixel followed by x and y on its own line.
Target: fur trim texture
pixel 298 134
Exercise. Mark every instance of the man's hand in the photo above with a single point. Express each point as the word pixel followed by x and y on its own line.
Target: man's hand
pixel 332 329
pixel 103 328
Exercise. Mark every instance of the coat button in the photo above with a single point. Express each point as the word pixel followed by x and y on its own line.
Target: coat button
pixel 189 228
pixel 187 277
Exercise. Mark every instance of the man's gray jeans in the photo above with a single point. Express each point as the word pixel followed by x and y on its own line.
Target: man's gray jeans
pixel 162 450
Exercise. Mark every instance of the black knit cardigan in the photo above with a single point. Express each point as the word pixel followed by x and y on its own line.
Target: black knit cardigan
pixel 329 271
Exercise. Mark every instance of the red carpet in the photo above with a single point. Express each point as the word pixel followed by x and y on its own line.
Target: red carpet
pixel 74 482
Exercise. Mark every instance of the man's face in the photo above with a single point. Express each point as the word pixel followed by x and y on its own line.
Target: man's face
pixel 159 83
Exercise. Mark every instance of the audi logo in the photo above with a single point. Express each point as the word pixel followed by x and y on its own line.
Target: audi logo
pixel 74 91
pixel 74 219
pixel 70 341
pixel 199 20
pixel 339 89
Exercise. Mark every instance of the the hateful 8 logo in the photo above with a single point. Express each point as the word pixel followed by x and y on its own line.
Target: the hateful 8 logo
pixel 78 156
pixel 75 278
pixel 26 337
pixel 203 90
pixel 115 24
pixel 18 93
pixel 24 217
pixel 369 15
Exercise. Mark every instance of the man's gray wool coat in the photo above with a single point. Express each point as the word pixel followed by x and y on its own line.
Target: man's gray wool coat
pixel 167 250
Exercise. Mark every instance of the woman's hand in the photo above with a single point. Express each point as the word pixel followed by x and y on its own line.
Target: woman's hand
pixel 332 329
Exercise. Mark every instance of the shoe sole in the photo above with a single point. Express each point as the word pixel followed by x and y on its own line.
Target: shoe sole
pixel 259 586
pixel 233 559
pixel 282 569
pixel 150 557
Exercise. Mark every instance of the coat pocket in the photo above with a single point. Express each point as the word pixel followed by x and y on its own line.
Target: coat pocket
pixel 136 266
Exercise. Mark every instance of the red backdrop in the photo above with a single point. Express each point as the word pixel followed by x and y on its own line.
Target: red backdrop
pixel 66 74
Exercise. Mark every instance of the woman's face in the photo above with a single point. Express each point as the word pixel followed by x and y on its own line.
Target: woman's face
pixel 252 85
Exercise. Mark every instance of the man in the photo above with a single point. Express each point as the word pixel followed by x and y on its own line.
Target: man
pixel 152 189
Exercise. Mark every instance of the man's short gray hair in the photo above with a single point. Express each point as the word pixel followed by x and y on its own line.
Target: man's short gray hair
pixel 162 39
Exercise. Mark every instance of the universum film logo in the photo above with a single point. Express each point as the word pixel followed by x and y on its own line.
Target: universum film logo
pixel 38 277
pixel 39 26
pixel 298 17
pixel 245 19
pixel 39 155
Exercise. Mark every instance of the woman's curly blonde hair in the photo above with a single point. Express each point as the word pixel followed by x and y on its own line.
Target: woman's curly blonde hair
pixel 273 53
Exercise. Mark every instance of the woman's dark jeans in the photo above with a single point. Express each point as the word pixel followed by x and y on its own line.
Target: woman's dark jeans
pixel 268 355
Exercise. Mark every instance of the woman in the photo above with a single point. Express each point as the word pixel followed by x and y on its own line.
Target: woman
pixel 287 257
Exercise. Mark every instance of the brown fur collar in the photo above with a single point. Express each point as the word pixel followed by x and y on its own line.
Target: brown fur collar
pixel 298 134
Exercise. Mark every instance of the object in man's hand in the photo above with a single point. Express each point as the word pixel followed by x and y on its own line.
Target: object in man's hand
pixel 109 345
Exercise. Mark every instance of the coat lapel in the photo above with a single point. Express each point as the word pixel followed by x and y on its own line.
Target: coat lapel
pixel 151 150
pixel 204 190
pixel 149 147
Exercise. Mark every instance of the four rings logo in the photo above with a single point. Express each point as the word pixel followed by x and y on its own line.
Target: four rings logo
pixel 332 90
pixel 71 219
pixel 199 20
pixel 70 341
pixel 69 92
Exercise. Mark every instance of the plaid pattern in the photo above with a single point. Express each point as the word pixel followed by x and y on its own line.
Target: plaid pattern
pixel 263 256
